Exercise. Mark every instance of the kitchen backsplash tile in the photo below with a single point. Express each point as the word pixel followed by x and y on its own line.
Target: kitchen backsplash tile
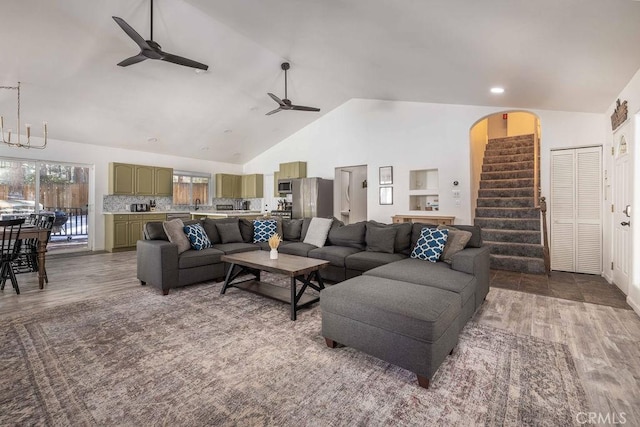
pixel 122 203
pixel 256 204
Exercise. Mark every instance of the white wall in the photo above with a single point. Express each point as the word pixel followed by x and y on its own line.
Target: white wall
pixel 411 135
pixel 520 123
pixel 98 158
pixel 496 127
pixel 631 94
pixel 479 137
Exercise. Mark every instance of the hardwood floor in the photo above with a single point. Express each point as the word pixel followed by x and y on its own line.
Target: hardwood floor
pixel 559 284
pixel 603 339
pixel 72 278
pixel 604 342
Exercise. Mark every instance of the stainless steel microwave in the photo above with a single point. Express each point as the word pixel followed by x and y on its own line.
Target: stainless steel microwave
pixel 285 186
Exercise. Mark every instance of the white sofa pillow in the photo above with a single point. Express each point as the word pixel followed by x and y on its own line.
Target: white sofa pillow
pixel 318 231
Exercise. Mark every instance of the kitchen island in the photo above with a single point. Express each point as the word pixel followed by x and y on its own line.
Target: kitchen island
pixel 226 214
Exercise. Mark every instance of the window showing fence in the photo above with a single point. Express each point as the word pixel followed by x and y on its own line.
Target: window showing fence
pixel 189 186
pixel 61 189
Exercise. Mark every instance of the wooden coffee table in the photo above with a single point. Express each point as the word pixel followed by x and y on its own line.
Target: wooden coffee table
pixel 299 269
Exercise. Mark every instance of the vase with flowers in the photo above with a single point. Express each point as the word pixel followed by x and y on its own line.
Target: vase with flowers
pixel 274 242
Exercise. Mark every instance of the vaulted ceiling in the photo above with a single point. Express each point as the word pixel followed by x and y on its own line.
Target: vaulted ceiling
pixel 572 55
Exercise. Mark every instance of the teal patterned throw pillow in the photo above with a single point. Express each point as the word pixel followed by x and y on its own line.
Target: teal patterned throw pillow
pixel 263 229
pixel 197 236
pixel 430 244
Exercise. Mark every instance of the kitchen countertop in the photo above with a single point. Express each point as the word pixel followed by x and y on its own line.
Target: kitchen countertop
pixel 226 213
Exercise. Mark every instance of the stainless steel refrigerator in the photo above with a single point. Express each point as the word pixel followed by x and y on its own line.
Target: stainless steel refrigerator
pixel 312 197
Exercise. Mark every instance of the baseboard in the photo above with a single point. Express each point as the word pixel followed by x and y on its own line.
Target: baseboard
pixel 633 305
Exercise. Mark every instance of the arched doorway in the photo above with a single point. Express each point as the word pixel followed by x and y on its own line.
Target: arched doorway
pixel 505 187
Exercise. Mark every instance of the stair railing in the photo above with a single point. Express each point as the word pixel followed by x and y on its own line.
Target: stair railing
pixel 536 169
pixel 545 238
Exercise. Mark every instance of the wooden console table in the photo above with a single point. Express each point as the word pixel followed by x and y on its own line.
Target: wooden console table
pixel 427 219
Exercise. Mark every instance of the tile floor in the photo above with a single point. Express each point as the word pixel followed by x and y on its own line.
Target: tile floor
pixel 571 286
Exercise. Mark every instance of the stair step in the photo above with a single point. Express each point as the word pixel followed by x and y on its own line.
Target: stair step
pixel 517 249
pixel 510 158
pixel 510 166
pixel 506 183
pixel 509 223
pixel 507 213
pixel 500 145
pixel 505 202
pixel 516 263
pixel 526 173
pixel 512 139
pixel 510 236
pixel 506 192
pixel 491 151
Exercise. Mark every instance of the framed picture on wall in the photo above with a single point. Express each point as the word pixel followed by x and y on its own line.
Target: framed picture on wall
pixel 386 175
pixel 386 195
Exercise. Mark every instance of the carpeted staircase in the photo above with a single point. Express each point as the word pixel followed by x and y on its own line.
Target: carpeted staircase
pixel 510 222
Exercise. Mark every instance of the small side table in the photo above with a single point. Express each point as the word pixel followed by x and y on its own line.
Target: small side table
pixel 427 219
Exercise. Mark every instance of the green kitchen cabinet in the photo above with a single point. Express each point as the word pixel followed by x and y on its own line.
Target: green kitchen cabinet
pixel 135 232
pixel 122 179
pixel 293 170
pixel 276 177
pixel 117 233
pixel 252 186
pixel 228 186
pixel 140 180
pixel 163 182
pixel 120 234
pixel 145 180
pixel 122 231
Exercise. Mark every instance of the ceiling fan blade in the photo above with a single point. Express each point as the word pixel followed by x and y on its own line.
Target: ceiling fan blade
pixel 133 60
pixel 303 108
pixel 132 33
pixel 275 98
pixel 183 61
pixel 273 111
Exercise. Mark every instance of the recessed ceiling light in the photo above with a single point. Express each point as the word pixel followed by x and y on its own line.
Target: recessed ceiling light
pixel 228 131
pixel 152 139
pixel 204 148
pixel 497 90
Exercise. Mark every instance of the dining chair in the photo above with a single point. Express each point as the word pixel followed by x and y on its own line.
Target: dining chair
pixel 27 260
pixel 9 250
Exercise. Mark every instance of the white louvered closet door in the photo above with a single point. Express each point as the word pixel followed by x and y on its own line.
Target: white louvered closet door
pixel 576 210
pixel 562 210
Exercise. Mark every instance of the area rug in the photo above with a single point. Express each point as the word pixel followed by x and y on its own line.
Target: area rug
pixel 196 357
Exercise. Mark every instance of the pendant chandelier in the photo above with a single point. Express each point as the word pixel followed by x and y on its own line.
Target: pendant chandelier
pixel 18 142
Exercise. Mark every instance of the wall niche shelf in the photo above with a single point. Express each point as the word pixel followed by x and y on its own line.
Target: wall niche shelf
pixel 423 190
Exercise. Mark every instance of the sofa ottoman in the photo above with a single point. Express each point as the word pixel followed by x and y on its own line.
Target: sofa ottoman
pixel 436 275
pixel 412 326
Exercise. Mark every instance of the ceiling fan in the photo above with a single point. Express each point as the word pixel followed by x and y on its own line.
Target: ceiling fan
pixel 152 50
pixel 285 104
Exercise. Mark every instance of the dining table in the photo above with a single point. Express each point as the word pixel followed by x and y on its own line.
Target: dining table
pixel 42 235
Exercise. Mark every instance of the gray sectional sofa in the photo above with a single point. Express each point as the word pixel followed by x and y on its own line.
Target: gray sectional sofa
pixel 403 310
